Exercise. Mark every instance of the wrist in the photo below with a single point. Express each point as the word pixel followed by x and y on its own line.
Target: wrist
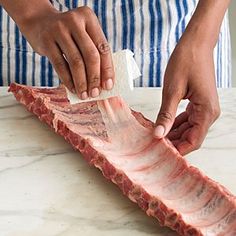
pixel 204 26
pixel 199 36
pixel 193 47
pixel 25 12
pixel 35 15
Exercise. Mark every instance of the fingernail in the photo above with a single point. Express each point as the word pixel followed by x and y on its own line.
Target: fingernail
pixel 109 84
pixel 95 92
pixel 84 95
pixel 159 131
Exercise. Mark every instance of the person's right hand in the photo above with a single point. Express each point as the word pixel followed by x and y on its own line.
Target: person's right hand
pixel 76 46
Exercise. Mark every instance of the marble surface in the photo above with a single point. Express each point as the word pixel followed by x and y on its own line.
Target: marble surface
pixel 46 188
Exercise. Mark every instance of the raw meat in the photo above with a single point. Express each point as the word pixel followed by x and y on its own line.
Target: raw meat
pixel 151 173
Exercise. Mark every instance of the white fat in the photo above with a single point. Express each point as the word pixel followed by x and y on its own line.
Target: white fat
pixel 126 135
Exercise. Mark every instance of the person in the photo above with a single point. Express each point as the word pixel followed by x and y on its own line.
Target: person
pixel 180 45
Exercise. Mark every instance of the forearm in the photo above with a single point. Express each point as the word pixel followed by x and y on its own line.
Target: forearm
pixel 22 11
pixel 204 27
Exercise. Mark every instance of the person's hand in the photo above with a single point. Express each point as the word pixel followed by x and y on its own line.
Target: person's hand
pixel 75 45
pixel 189 75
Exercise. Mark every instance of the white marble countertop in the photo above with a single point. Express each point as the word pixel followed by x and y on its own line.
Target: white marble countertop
pixel 47 189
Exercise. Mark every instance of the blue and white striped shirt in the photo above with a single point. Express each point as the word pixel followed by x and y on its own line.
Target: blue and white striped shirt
pixel 150 28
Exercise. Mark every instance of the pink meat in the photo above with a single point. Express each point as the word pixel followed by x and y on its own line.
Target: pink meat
pixel 151 173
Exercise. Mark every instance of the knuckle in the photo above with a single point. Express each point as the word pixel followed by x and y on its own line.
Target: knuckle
pixel 76 61
pixel 107 72
pixel 108 69
pixel 196 145
pixel 167 116
pixel 103 48
pixel 59 27
pixel 214 111
pixel 93 56
pixel 73 15
pixel 74 19
pixel 58 62
pixel 82 86
pixel 86 10
pixel 94 81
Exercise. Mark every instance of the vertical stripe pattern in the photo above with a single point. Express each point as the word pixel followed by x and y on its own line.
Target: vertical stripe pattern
pixel 159 72
pixel 141 39
pixel 152 41
pixel 114 24
pixel 150 28
pixel 8 51
pixel 17 55
pixel 124 24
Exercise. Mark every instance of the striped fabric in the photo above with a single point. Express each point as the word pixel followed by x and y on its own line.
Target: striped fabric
pixel 150 28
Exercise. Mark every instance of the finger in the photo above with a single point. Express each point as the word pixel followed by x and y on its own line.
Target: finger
pixel 76 64
pixel 192 139
pixel 107 69
pixel 180 119
pixel 179 131
pixel 61 66
pixel 92 61
pixel 166 116
pixel 185 147
pixel 175 142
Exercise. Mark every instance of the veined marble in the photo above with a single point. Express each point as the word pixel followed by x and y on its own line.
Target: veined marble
pixel 47 189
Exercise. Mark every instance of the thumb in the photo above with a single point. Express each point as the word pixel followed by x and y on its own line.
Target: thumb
pixel 166 115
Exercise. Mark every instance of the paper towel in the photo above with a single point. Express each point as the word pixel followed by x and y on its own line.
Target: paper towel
pixel 126 70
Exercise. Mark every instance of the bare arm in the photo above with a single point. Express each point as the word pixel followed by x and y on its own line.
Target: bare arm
pixel 206 22
pixel 190 75
pixel 23 11
pixel 73 41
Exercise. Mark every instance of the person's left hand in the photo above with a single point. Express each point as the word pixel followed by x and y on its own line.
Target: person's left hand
pixel 189 75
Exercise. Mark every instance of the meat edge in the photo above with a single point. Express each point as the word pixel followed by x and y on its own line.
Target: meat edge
pixel 152 205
